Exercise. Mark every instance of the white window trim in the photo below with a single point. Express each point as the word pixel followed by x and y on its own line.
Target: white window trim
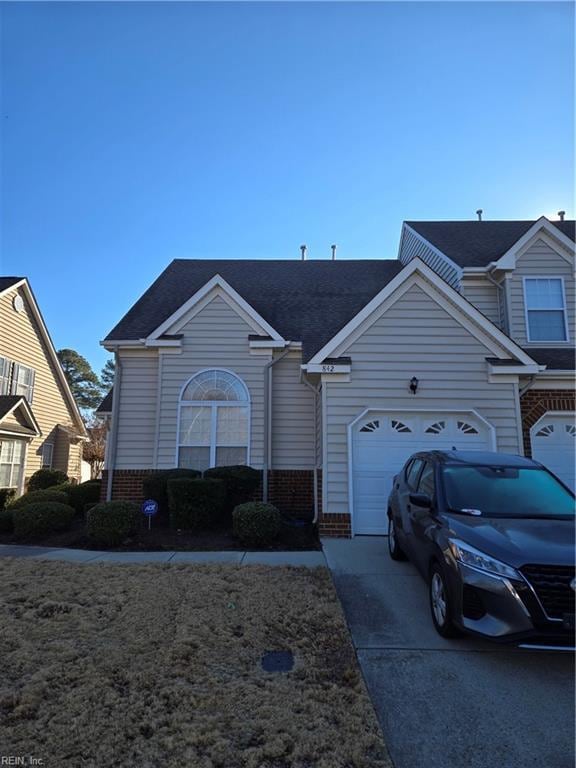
pixel 20 477
pixel 16 368
pixel 45 464
pixel 8 377
pixel 525 279
pixel 214 405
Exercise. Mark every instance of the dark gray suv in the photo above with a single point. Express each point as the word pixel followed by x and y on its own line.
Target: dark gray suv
pixel 493 535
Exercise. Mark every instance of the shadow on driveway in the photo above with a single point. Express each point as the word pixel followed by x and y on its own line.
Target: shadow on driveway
pixel 452 703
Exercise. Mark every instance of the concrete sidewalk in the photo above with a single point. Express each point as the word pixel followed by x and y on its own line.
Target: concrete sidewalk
pixel 306 559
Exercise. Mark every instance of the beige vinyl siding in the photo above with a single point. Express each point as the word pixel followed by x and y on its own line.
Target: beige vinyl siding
pixel 414 337
pixel 137 409
pixel 539 260
pixel 292 416
pixel 21 341
pixel 216 337
pixel 484 296
pixel 319 428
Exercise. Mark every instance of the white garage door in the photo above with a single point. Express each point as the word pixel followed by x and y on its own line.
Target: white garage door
pixel 382 441
pixel 553 439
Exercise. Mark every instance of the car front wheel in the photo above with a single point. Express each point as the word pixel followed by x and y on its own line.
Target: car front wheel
pixel 441 604
pixel 396 551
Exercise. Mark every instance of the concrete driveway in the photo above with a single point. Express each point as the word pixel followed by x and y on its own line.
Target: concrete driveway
pixel 449 703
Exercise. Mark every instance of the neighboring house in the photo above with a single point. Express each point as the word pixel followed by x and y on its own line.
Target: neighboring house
pixel 328 374
pixel 40 425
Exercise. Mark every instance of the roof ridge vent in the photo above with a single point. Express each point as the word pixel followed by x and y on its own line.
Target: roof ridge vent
pixel 479 213
pixel 561 215
pixel 304 251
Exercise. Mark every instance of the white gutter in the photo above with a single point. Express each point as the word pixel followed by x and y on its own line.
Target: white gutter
pixel 114 425
pixel 268 419
pixel 316 391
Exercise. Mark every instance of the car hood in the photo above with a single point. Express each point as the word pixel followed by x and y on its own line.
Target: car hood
pixel 516 541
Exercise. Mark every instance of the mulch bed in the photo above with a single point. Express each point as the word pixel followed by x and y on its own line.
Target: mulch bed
pixel 292 539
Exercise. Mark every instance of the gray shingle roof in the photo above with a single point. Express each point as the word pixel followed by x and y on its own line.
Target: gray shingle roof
pixel 307 301
pixel 559 359
pixel 7 402
pixel 477 243
pixel 106 404
pixel 8 282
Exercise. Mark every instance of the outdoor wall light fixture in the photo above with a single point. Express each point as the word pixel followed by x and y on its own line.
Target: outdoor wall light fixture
pixel 413 385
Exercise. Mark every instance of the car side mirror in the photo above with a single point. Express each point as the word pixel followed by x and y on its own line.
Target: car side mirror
pixel 421 500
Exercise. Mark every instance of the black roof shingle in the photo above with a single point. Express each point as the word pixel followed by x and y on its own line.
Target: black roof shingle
pixel 307 301
pixel 106 404
pixel 8 282
pixel 478 243
pixel 556 359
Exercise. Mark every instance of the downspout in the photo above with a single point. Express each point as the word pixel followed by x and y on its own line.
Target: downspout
pixel 316 391
pixel 114 424
pixel 504 304
pixel 268 419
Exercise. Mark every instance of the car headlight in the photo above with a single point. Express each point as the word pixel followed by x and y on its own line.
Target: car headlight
pixel 468 555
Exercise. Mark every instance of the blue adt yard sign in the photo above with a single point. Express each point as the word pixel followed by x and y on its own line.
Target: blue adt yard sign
pixel 149 508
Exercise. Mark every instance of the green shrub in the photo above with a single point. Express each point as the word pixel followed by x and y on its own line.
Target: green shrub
pixel 41 518
pixel 256 523
pixel 195 504
pixel 156 487
pixel 46 478
pixel 110 522
pixel 241 483
pixel 6 522
pixel 35 497
pixel 85 493
pixel 6 497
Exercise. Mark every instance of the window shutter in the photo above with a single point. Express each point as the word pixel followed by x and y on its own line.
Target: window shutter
pixel 15 373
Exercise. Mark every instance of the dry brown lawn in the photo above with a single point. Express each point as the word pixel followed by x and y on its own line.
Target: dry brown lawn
pixel 158 666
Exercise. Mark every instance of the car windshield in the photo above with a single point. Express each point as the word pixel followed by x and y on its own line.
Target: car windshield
pixel 506 492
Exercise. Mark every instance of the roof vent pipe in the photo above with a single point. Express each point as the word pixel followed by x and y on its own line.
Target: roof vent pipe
pixel 304 250
pixel 561 214
pixel 479 213
pixel 333 252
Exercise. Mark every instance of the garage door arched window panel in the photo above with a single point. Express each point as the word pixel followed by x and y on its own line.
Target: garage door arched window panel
pixel 214 421
pixel 466 428
pixel 371 426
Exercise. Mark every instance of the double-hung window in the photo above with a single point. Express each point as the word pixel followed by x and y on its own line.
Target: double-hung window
pixel 11 460
pixel 214 421
pixel 545 309
pixel 23 381
pixel 47 453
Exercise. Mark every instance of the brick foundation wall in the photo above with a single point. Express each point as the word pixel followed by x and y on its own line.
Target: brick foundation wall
pixel 126 484
pixel 536 402
pixel 335 525
pixel 291 490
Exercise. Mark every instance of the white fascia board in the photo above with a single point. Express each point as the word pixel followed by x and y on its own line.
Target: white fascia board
pixel 508 259
pixel 269 344
pixel 13 286
pixel 162 342
pixel 433 248
pixel 514 370
pixel 112 344
pixel 53 356
pixel 417 267
pixel 217 282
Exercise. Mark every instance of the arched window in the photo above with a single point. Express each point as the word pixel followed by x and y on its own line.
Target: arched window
pixel 214 421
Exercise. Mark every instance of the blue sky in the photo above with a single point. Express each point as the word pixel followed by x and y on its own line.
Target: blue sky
pixel 138 133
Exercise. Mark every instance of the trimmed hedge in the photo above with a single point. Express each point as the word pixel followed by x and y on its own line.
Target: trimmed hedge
pixel 46 478
pixel 41 518
pixel 110 522
pixel 85 493
pixel 36 497
pixel 6 522
pixel 256 523
pixel 6 497
pixel 156 487
pixel 241 483
pixel 196 504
